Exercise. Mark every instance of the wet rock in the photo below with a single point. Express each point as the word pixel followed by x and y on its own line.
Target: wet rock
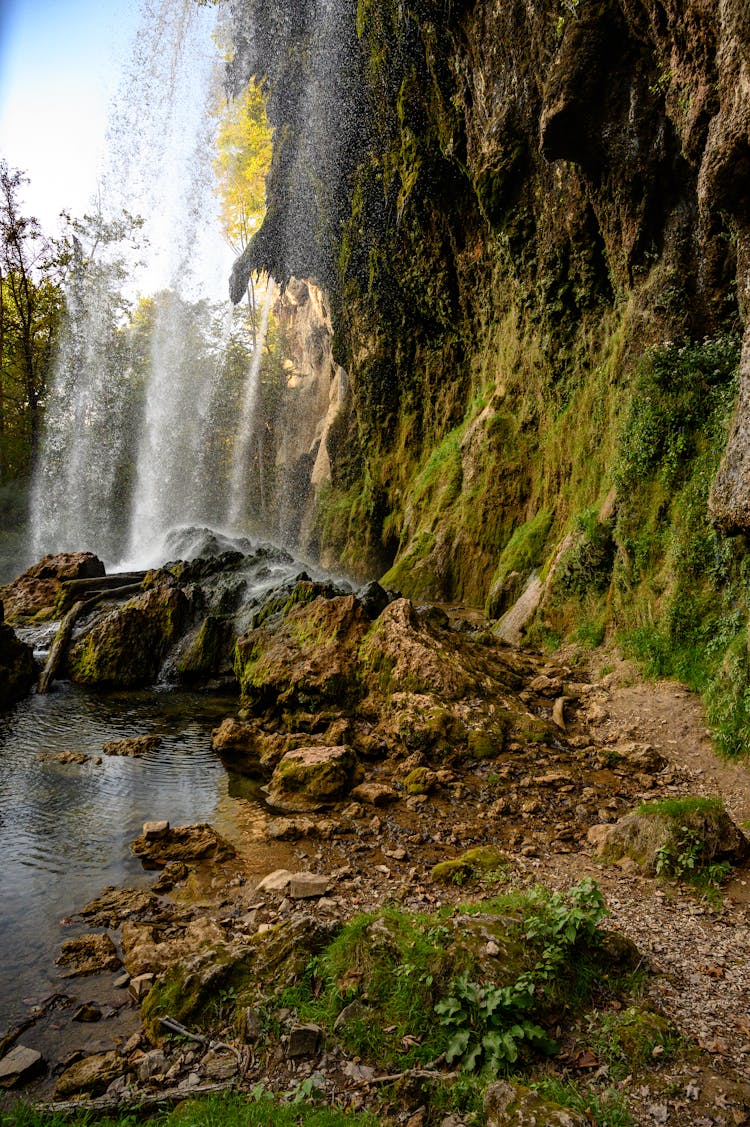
pixel 113 905
pixel 307 886
pixel 65 757
pixel 238 740
pixel 311 777
pixel 89 1011
pixel 174 872
pixel 88 954
pixel 155 831
pixel 92 1074
pixel 182 843
pixel 145 949
pixel 140 985
pixel 512 1105
pixel 373 599
pixel 35 593
pixel 290 829
pixel 304 1041
pixel 19 1066
pixel 128 646
pixel 18 669
pixel 134 747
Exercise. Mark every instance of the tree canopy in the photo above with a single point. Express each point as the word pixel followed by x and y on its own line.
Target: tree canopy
pixel 244 143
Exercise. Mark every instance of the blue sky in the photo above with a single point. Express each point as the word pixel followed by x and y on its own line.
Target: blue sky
pixel 60 61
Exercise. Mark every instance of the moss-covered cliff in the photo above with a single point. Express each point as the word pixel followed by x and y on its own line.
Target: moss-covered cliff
pixel 532 217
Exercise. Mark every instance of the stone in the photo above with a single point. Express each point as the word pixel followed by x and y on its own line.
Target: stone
pixel 304 1041
pixel 238 741
pixel 307 886
pixel 249 1025
pixel 374 794
pixel 277 881
pixel 290 829
pixel 18 670
pixel 155 831
pixel 122 981
pixel 140 986
pixel 152 1064
pixel 219 1065
pixel 89 1011
pixel 145 949
pixel 182 843
pixel 19 1065
pixel 34 594
pixel 113 905
pixel 134 747
pixel 310 777
pixel 92 1074
pixel 373 599
pixel 88 954
pixel 513 1105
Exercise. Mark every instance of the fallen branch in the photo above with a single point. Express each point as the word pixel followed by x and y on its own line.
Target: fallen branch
pixel 417 1073
pixel 131 1101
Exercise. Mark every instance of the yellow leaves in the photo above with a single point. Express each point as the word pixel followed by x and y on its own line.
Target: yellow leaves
pixel 244 143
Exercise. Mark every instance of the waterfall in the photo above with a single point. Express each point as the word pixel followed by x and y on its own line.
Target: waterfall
pixel 125 453
pixel 237 509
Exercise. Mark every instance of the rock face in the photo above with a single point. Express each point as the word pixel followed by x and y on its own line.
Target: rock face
pixel 181 843
pixel 18 669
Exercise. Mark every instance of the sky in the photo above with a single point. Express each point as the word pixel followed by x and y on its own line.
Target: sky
pixel 68 68
pixel 60 62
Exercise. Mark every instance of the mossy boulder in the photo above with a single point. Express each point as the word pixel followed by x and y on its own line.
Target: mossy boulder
pixel 18 669
pixel 311 777
pixel 459 870
pixel 35 593
pixel 207 651
pixel 680 836
pixel 307 659
pixel 127 648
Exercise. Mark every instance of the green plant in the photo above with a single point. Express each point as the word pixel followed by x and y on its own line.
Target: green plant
pixel 605 1107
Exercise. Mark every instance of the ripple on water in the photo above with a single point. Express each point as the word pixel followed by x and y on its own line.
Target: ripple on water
pixel 65 829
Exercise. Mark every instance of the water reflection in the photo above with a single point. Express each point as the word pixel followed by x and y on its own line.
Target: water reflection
pixel 65 829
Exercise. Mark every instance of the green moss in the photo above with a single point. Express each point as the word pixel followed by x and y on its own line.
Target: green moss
pixel 677 808
pixel 472 864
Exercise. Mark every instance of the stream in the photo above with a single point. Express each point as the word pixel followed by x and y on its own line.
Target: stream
pixel 65 829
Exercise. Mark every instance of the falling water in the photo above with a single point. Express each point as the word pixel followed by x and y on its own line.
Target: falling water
pixel 125 455
pixel 237 514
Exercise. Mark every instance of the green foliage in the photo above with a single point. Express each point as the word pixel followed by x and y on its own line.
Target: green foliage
pixel 604 1107
pixel 587 566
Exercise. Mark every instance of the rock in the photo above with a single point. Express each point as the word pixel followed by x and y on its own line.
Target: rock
pixel 373 599
pixel 239 740
pixel 128 646
pixel 145 949
pixel 19 1065
pixel 155 831
pixel 290 829
pixel 512 1105
pixel 219 1065
pixel 374 794
pixel 182 843
pixel 64 757
pixel 307 886
pixel 249 1024
pixel 89 1011
pixel 355 1011
pixel 134 747
pixel 92 1074
pixel 140 986
pixel 35 593
pixel 304 1041
pixel 277 881
pixel 152 1064
pixel 113 905
pixel 122 981
pixel 18 670
pixel 88 954
pixel 658 833
pixel 483 859
pixel 311 777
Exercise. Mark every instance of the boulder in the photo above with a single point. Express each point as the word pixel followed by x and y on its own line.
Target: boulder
pixel 93 1074
pixel 374 794
pixel 88 954
pixel 146 953
pixel 182 843
pixel 680 836
pixel 311 777
pixel 18 670
pixel 127 647
pixel 34 594
pixel 513 1105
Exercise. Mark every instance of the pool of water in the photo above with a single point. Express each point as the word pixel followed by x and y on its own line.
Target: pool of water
pixel 65 829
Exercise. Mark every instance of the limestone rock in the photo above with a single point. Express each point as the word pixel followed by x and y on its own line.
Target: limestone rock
pixel 277 881
pixel 304 1041
pixel 311 777
pixel 139 986
pixel 182 843
pixel 512 1105
pixel 307 886
pixel 34 593
pixel 145 952
pixel 88 954
pixel 374 794
pixel 113 905
pixel 134 746
pixel 92 1074
pixel 128 646
pixel 19 1065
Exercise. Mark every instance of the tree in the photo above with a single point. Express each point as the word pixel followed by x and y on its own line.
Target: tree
pixel 30 309
pixel 244 142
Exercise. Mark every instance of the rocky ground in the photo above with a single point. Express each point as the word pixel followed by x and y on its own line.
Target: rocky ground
pixel 451 741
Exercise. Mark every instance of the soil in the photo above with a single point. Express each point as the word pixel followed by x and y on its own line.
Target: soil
pixel 536 804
